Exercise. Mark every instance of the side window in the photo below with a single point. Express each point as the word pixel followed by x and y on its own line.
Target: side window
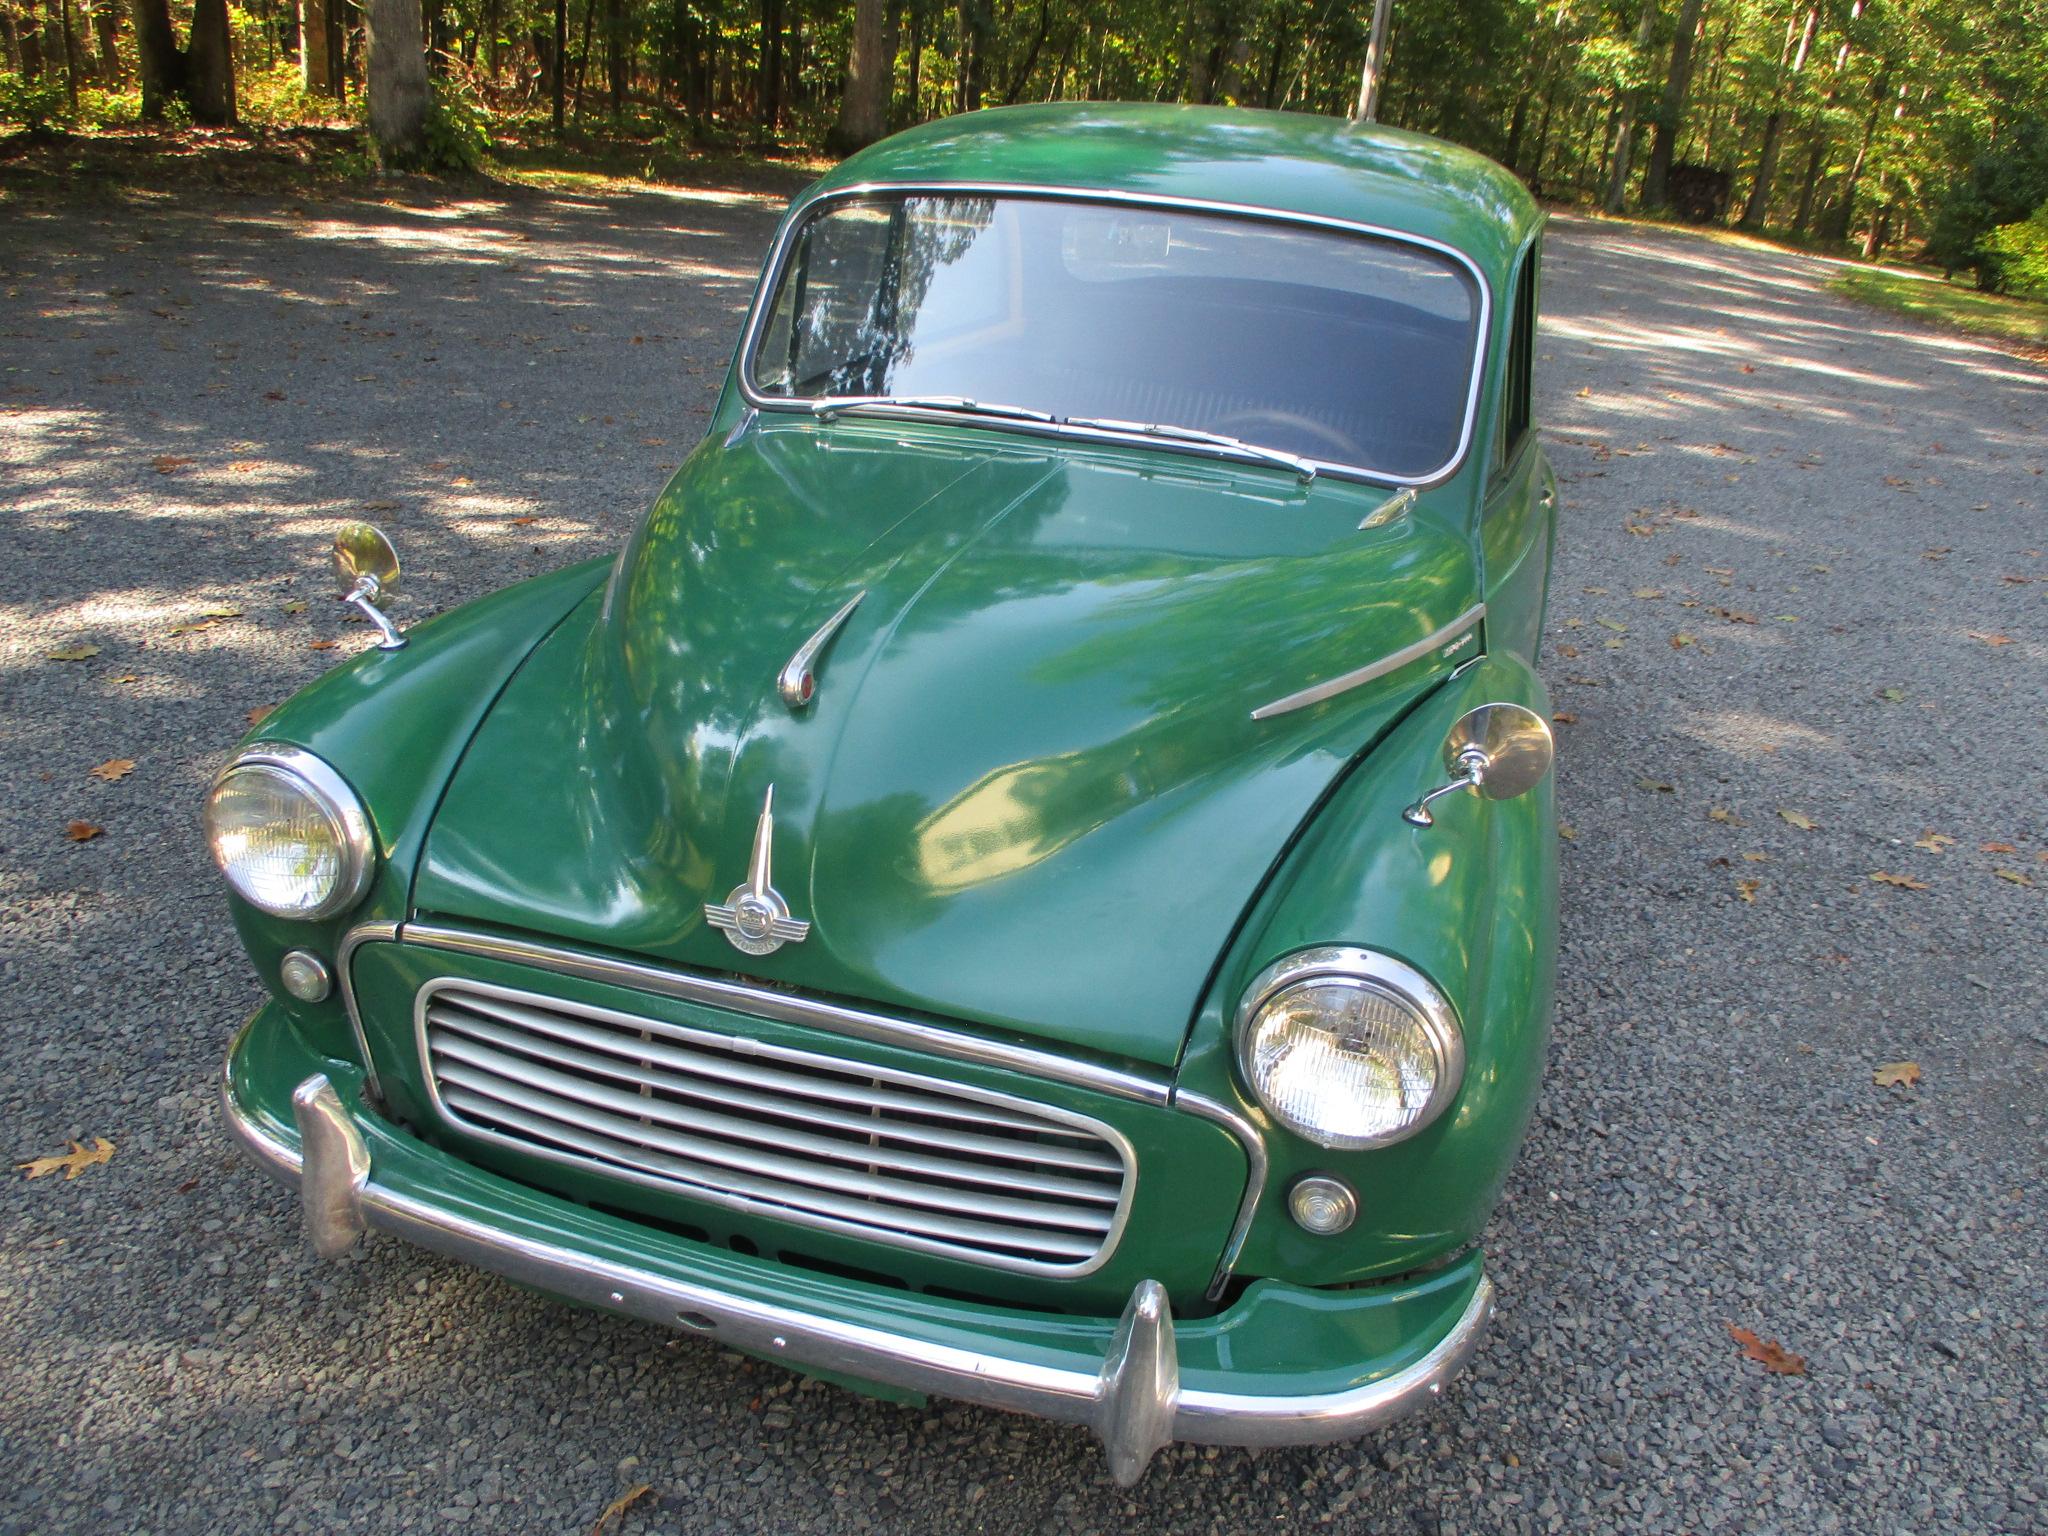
pixel 1515 397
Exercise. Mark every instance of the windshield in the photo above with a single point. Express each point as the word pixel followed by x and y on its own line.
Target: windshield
pixel 1345 349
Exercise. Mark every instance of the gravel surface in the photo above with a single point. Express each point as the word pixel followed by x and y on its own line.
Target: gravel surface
pixel 1802 572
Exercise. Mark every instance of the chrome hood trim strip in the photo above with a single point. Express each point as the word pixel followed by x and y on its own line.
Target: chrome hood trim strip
pixel 1329 689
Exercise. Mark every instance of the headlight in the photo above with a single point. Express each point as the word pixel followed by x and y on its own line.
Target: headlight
pixel 289 834
pixel 1348 1048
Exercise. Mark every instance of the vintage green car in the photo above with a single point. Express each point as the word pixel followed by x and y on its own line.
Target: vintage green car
pixel 1032 876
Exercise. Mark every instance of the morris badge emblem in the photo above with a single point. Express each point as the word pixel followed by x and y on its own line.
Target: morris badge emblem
pixel 755 917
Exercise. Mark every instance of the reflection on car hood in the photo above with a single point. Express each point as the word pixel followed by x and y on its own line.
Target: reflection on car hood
pixel 1029 792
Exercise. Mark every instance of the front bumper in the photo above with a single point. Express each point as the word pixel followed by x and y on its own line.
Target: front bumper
pixel 1282 1366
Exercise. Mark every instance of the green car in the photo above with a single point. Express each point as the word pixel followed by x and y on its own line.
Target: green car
pixel 1032 876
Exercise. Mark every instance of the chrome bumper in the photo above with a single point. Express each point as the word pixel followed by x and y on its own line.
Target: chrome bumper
pixel 1134 1402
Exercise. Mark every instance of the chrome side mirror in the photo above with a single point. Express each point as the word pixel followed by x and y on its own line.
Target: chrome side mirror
pixel 366 568
pixel 1501 750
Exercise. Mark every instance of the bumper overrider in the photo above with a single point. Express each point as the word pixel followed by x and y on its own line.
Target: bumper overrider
pixel 1283 1365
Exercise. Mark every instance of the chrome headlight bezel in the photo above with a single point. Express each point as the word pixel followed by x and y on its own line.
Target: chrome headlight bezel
pixel 1391 980
pixel 331 796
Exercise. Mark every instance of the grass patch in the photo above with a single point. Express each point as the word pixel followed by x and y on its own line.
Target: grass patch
pixel 1951 306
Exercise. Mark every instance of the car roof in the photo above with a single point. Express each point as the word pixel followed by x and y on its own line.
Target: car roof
pixel 1285 162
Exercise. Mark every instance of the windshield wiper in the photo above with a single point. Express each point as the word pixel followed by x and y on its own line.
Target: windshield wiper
pixel 1302 467
pixel 827 409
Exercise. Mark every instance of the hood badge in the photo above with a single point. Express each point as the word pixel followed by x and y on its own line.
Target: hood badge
pixel 754 917
pixel 797 682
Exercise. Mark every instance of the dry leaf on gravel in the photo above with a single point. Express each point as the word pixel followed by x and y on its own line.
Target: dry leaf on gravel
pixel 615 1512
pixel 1897 1074
pixel 1768 1353
pixel 71 1164
pixel 1567 831
pixel 1991 639
pixel 1726 817
pixel 322 645
pixel 1565 717
pixel 524 522
pixel 82 831
pixel 1903 882
pixel 169 463
pixel 1756 858
pixel 1747 889
pixel 296 605
pixel 257 715
pixel 1648 594
pixel 72 653
pixel 1997 848
pixel 1933 842
pixel 2014 876
pixel 1799 819
pixel 1680 641
pixel 1655 786
pixel 114 769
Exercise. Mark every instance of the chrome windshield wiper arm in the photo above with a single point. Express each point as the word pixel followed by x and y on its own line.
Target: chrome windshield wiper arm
pixel 828 408
pixel 1302 467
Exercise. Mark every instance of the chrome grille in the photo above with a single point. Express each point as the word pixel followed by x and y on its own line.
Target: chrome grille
pixel 894 1157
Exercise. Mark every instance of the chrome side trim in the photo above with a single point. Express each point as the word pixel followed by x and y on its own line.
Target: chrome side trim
pixel 797 681
pixel 731 1192
pixel 1330 688
pixel 792 1008
pixel 344 957
pixel 1256 1165
pixel 785 240
pixel 1135 1396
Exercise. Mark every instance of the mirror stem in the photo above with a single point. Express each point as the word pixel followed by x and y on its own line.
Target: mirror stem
pixel 364 598
pixel 1474 762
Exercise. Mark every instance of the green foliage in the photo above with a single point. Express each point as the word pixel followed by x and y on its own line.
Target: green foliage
pixel 2003 186
pixel 458 132
pixel 1953 306
pixel 2018 253
pixel 36 105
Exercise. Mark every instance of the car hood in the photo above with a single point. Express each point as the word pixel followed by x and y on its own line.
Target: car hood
pixel 1029 793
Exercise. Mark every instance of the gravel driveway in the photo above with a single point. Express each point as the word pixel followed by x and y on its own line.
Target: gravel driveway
pixel 1797 642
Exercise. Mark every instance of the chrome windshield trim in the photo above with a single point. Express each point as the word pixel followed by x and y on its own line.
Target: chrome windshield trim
pixel 785 240
pixel 1256 1168
pixel 344 954
pixel 792 1008
pixel 1331 687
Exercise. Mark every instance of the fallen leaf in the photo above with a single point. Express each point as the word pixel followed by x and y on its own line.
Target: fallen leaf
pixel 1732 615
pixel 1799 819
pixel 1621 629
pixel 1939 552
pixel 1997 848
pixel 188 1186
pixel 1747 889
pixel 1719 570
pixel 322 645
pixel 1933 842
pixel 1681 640
pixel 616 1510
pixel 1768 1353
pixel 1654 785
pixel 1722 814
pixel 273 394
pixel 296 605
pixel 1897 1074
pixel 380 506
pixel 259 714
pixel 1991 639
pixel 1891 695
pixel 524 522
pixel 168 463
pixel 1567 831
pixel 1756 858
pixel 1594 591
pixel 114 769
pixel 1649 593
pixel 73 653
pixel 82 831
pixel 1903 882
pixel 71 1163
pixel 1567 650
pixel 2014 876
pixel 1565 717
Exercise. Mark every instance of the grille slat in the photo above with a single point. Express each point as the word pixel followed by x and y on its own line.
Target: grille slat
pixel 896 1157
pixel 635 1061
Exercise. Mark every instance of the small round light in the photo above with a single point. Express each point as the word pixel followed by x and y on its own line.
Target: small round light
pixel 289 834
pixel 1349 1049
pixel 1322 1205
pixel 305 976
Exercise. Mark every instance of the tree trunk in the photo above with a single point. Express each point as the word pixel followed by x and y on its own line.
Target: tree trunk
pixel 70 53
pixel 864 109
pixel 916 60
pixel 210 75
pixel 977 25
pixel 316 64
pixel 1671 106
pixel 768 90
pixel 615 58
pixel 558 83
pixel 395 71
pixel 1815 154
pixel 161 64
pixel 1625 130
pixel 1774 128
pixel 1014 86
pixel 106 26
pixel 583 57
